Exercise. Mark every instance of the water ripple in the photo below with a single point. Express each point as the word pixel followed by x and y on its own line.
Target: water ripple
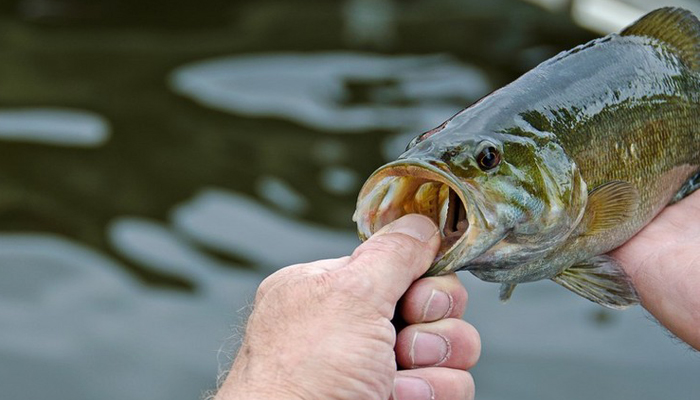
pixel 316 90
pixel 56 126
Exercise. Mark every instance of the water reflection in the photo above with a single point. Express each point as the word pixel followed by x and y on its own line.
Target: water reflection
pixel 56 126
pixel 335 92
pixel 237 224
pixel 75 326
pixel 340 180
pixel 281 194
pixel 370 23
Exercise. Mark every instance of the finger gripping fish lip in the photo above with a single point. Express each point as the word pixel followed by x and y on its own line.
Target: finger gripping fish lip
pixel 408 186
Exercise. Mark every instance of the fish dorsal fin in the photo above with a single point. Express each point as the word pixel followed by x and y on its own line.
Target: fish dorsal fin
pixel 609 205
pixel 600 279
pixel 676 27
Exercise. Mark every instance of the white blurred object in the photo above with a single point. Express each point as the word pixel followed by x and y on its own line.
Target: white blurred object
pixel 340 180
pixel 405 92
pixel 55 126
pixel 551 5
pixel 240 226
pixel 76 326
pixel 281 194
pixel 605 16
pixel 370 22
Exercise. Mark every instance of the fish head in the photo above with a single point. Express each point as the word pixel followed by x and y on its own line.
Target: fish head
pixel 499 199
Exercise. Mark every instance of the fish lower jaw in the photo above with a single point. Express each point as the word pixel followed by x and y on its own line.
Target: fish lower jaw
pixel 407 191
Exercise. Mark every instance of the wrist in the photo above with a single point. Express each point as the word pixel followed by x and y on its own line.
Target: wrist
pixel 247 381
pixel 233 390
pixel 667 288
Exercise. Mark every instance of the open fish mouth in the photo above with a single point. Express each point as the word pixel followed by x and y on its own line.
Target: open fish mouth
pixel 406 187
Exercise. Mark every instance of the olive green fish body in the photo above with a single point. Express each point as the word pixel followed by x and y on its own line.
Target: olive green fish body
pixel 542 177
pixel 623 108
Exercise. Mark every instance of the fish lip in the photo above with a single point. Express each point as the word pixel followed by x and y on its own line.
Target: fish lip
pixel 436 171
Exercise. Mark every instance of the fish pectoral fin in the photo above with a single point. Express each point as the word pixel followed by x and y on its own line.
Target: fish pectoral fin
pixel 506 291
pixel 676 27
pixel 609 205
pixel 602 280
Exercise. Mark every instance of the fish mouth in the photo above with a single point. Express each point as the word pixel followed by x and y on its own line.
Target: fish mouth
pixel 406 187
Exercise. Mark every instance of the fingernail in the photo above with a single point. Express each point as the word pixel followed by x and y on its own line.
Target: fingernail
pixel 411 388
pixel 428 349
pixel 438 306
pixel 414 225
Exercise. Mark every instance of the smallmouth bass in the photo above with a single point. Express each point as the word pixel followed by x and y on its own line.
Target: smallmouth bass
pixel 541 178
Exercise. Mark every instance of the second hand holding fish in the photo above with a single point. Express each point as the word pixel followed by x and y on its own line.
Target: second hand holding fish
pixel 663 261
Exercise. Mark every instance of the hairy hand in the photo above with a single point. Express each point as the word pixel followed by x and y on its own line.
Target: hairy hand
pixel 663 261
pixel 324 330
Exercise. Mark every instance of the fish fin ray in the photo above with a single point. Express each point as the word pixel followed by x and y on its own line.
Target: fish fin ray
pixel 675 26
pixel 609 205
pixel 506 291
pixel 601 280
pixel 688 187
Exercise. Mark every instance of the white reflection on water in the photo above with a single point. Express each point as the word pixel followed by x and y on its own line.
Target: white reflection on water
pixel 340 180
pixel 239 225
pixel 370 22
pixel 153 244
pixel 56 126
pixel 74 326
pixel 311 89
pixel 278 192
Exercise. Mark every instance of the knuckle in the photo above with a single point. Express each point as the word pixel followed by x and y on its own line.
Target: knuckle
pixel 393 247
pixel 274 280
pixel 278 278
pixel 353 285
pixel 265 286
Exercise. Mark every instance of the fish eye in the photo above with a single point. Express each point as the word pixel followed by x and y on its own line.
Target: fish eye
pixel 488 158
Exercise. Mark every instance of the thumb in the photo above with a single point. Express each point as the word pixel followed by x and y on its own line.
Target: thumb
pixel 395 256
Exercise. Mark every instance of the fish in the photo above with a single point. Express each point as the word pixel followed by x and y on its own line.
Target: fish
pixel 542 178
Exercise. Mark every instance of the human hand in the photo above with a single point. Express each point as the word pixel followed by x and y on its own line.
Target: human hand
pixel 323 330
pixel 663 261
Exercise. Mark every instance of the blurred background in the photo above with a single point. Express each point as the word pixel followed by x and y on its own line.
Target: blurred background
pixel 159 159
